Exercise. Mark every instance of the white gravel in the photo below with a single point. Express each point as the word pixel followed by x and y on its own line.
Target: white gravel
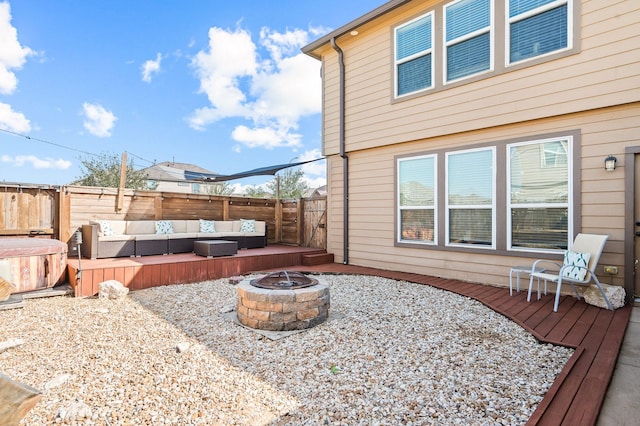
pixel 397 353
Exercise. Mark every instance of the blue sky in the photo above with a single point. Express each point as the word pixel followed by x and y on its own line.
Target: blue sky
pixel 222 85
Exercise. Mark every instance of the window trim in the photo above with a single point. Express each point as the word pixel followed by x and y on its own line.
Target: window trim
pixel 571 36
pixel 398 234
pixel 500 47
pixel 429 51
pixel 569 204
pixel 447 44
pixel 492 206
pixel 575 196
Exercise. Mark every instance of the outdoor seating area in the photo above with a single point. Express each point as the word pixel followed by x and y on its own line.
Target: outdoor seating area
pixel 125 238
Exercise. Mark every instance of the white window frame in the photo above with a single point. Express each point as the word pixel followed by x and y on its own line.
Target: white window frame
pixel 447 44
pixel 447 209
pixel 429 51
pixel 399 238
pixel 569 204
pixel 529 14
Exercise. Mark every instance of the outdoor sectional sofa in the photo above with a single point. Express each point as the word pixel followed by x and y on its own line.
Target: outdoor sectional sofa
pixel 121 238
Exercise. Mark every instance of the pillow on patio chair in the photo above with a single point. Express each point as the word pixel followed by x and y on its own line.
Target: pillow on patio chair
pixel 575 265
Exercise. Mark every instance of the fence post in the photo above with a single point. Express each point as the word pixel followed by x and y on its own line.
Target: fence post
pixel 63 225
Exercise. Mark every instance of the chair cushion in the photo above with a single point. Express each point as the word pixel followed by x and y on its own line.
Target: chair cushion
pixel 207 226
pixel 572 260
pixel 164 227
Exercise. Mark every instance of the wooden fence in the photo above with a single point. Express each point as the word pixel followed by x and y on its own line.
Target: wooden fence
pixel 58 212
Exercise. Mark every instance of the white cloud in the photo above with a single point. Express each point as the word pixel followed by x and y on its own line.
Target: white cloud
pixel 271 94
pixel 151 67
pixel 317 168
pixel 98 121
pixel 12 54
pixel 36 163
pixel 13 120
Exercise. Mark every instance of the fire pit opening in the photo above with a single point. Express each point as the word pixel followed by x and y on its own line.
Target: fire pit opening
pixel 283 301
pixel 284 280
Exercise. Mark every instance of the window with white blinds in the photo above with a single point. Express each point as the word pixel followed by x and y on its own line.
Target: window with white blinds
pixel 457 40
pixel 470 197
pixel 537 27
pixel 417 178
pixel 524 203
pixel 414 55
pixel 538 186
pixel 467 37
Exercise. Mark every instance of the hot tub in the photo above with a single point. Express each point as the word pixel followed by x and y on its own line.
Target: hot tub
pixel 32 263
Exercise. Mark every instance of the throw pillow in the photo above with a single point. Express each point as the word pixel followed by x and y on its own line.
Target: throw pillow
pixel 105 227
pixel 247 225
pixel 164 227
pixel 576 264
pixel 207 226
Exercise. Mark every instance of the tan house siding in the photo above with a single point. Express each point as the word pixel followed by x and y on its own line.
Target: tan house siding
pixel 604 73
pixel 372 191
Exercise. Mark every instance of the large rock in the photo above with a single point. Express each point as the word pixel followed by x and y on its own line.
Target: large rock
pixel 6 288
pixel 615 294
pixel 16 399
pixel 112 289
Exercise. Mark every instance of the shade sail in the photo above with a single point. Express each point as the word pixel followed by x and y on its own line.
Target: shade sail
pixel 269 171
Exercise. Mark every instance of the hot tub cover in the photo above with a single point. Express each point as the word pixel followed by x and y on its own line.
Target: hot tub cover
pixel 16 247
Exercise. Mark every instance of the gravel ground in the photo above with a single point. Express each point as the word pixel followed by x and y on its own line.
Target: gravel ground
pixel 396 353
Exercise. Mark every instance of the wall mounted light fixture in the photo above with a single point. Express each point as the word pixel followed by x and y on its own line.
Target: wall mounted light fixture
pixel 610 163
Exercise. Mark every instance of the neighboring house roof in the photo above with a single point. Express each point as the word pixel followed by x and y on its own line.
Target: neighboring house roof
pixel 173 172
pixel 374 14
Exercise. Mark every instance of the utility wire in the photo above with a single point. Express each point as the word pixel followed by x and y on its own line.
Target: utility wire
pixel 49 143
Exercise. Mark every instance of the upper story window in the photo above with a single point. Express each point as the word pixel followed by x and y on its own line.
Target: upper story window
pixel 414 55
pixel 459 40
pixel 467 37
pixel 537 27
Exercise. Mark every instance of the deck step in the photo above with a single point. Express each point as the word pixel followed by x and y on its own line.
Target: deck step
pixel 317 259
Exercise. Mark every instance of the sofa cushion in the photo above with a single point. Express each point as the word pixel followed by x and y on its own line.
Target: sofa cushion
pixel 225 225
pixel 119 237
pixel 150 237
pixel 182 235
pixel 207 226
pixel 179 226
pixel 139 227
pixel 193 226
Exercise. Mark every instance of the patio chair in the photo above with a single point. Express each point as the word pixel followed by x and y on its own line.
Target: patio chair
pixel 578 267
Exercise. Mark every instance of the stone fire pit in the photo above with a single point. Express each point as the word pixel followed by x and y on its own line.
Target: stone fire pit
pixel 283 301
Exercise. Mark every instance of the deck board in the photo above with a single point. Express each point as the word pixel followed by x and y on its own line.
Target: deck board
pixel 575 397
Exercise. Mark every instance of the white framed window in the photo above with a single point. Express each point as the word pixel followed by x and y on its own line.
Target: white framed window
pixel 538 195
pixel 537 27
pixel 414 55
pixel 470 197
pixel 468 39
pixel 417 194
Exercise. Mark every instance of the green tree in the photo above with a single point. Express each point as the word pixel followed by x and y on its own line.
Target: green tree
pixel 222 188
pixel 256 192
pixel 104 171
pixel 291 184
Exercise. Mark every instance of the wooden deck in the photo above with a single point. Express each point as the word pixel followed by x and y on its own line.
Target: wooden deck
pixel 576 396
pixel 138 273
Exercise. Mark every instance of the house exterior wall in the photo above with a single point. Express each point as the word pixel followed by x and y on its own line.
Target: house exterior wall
pixel 594 90
pixel 372 205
